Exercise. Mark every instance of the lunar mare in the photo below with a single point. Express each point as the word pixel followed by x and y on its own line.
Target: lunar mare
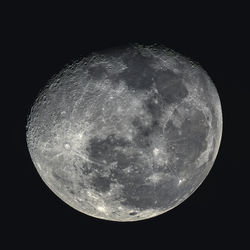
pixel 126 134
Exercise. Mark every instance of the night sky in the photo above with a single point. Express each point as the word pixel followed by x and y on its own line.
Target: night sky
pixel 39 40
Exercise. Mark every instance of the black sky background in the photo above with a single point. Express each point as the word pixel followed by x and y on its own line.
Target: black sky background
pixel 39 40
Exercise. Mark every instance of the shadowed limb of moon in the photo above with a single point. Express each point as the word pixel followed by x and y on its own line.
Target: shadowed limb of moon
pixel 126 134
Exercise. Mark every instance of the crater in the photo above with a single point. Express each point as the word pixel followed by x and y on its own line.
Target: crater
pixel 132 213
pixel 67 146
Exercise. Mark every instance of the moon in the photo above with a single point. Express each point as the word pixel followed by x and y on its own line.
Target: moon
pixel 126 133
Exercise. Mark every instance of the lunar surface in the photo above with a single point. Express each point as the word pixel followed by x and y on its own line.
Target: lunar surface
pixel 126 134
